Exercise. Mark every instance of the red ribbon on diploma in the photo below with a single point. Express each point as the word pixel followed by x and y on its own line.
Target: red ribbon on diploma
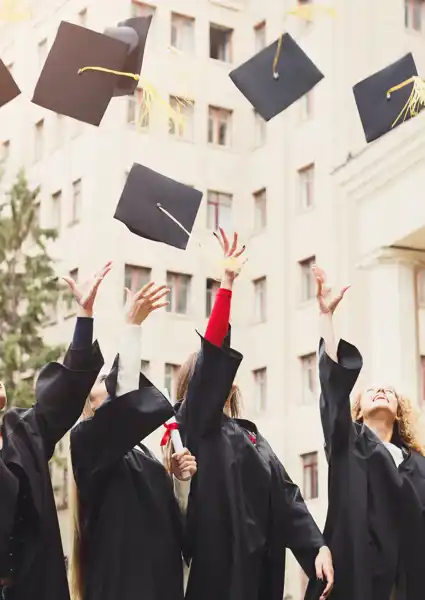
pixel 169 428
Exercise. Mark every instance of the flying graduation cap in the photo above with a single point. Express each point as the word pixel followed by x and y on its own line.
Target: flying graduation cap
pixel 280 74
pixel 158 208
pixel 389 97
pixel 8 87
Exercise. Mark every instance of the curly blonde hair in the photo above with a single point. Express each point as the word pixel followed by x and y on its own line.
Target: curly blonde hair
pixel 405 422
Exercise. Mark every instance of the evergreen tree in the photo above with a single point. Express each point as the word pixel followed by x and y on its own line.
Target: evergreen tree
pixel 28 293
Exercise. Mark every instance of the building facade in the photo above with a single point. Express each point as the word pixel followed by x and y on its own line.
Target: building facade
pixel 303 188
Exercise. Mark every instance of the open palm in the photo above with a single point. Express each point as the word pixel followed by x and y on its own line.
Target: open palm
pixel 326 300
pixel 85 294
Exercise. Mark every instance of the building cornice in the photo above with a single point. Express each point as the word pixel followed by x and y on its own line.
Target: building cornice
pixel 392 255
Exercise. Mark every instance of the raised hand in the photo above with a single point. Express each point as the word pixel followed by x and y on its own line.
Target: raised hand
pixel 85 294
pixel 326 300
pixel 140 305
pixel 232 262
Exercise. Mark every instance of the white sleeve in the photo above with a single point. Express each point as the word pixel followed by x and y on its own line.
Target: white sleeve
pixel 129 360
pixel 181 492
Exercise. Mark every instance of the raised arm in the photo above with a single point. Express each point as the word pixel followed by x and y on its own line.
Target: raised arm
pixel 62 389
pixel 134 407
pixel 339 368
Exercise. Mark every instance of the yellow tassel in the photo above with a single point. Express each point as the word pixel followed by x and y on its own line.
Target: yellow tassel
pixel 151 96
pixel 415 102
pixel 104 70
pixel 12 11
pixel 306 12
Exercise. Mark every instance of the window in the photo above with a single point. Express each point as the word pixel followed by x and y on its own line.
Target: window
pixel 211 291
pixel 56 214
pixel 260 296
pixel 421 287
pixel 137 113
pixel 308 283
pixel 145 367
pixel 219 211
pixel 310 476
pixel 306 187
pixel 178 296
pixel 184 128
pixel 59 131
pixel 221 43
pixel 182 32
pixel 260 130
pixel 219 126
pixel 39 141
pixel 414 14
pixel 140 9
pixel 76 202
pixel 306 106
pixel 82 17
pixel 260 36
pixel 260 388
pixel 170 380
pixel 309 378
pixel 42 52
pixel 423 377
pixel 260 210
pixel 5 150
pixel 135 278
pixel 69 298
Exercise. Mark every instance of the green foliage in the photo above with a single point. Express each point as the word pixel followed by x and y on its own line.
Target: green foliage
pixel 28 292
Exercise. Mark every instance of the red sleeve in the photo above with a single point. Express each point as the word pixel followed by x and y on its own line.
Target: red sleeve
pixel 219 319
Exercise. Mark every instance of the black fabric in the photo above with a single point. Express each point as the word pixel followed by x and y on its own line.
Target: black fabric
pixel 140 27
pixel 243 511
pixel 377 112
pixel 375 525
pixel 132 537
pixel 138 206
pixel 29 439
pixel 270 96
pixel 83 96
pixel 83 333
pixel 9 89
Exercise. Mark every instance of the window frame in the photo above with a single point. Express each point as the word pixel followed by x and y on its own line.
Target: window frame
pixel 228 48
pixel 219 117
pixel 178 24
pixel 260 299
pixel 310 466
pixel 174 281
pixel 309 369
pixel 306 185
pixel 218 200
pixel 260 207
pixel 305 268
pixel 260 385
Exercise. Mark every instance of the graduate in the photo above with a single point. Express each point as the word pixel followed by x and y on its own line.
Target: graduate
pixel 243 509
pixel 31 556
pixel 127 525
pixel 375 525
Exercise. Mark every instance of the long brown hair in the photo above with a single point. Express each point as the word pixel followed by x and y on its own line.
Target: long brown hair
pixel 405 422
pixel 76 576
pixel 185 374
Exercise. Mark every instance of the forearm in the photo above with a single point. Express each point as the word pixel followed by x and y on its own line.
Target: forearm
pixel 129 359
pixel 181 492
pixel 218 322
pixel 328 334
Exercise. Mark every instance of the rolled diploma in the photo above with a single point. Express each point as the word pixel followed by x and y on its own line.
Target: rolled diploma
pixel 177 440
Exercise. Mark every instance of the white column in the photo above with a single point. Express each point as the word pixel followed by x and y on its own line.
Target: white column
pixel 394 319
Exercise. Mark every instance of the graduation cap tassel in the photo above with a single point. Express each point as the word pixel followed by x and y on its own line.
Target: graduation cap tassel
pixel 151 95
pixel 111 71
pixel 276 57
pixel 416 100
pixel 170 216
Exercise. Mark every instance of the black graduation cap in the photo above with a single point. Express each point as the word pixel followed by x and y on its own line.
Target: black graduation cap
pixel 276 77
pixel 381 108
pixel 227 342
pixel 67 87
pixel 158 208
pixel 8 87
pixel 134 33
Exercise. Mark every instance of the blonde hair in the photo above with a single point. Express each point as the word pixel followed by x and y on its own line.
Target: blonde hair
pixel 184 376
pixel 76 575
pixel 405 422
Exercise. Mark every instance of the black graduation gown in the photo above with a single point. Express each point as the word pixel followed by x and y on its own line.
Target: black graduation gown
pixel 29 439
pixel 244 510
pixel 131 524
pixel 375 525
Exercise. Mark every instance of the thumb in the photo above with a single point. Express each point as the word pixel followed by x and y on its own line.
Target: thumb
pixel 69 281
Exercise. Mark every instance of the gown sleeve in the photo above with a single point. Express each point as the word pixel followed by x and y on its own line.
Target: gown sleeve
pixel 218 322
pixel 133 410
pixel 62 389
pixel 337 381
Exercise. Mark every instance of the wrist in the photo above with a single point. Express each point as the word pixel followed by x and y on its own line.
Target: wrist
pixel 326 315
pixel 85 313
pixel 227 282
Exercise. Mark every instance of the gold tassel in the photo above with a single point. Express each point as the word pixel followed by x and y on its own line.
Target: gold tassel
pixel 11 11
pixel 151 96
pixel 104 70
pixel 307 13
pixel 415 102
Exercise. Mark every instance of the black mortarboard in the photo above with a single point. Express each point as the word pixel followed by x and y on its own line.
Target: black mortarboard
pixel 276 77
pixel 227 342
pixel 133 32
pixel 381 109
pixel 81 95
pixel 8 87
pixel 158 208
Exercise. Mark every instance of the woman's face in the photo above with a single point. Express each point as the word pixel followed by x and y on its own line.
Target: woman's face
pixel 3 396
pixel 379 399
pixel 98 393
